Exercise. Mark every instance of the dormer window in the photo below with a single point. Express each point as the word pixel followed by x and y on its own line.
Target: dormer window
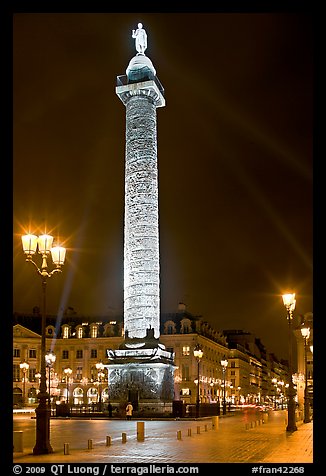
pixel 185 326
pixel 94 331
pixel 169 327
pixel 50 331
pixel 65 331
pixel 80 333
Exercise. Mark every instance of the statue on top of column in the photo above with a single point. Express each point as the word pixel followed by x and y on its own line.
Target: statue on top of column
pixel 141 39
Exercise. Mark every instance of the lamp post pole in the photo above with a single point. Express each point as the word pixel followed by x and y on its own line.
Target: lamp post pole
pixel 100 367
pixel 50 358
pixel 68 372
pixel 305 331
pixel 24 366
pixel 44 245
pixel 198 353
pixel 224 364
pixel 289 303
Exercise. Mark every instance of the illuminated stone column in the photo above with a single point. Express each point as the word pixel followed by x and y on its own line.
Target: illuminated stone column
pixel 141 93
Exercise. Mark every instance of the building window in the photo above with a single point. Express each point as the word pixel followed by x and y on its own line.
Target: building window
pixel 185 326
pixel 16 352
pixel 65 331
pixel 31 374
pixel 232 363
pixel 185 372
pixel 94 330
pixel 65 354
pixel 16 373
pixel 32 353
pixel 79 373
pixel 169 327
pixel 79 354
pixel 186 350
pixel 93 353
pixel 80 332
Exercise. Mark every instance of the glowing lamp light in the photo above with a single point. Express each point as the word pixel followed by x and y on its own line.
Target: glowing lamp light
pixel 305 332
pixel 198 353
pixel 44 243
pixel 224 363
pixel 58 254
pixel 289 301
pixel 50 358
pixel 29 244
pixel 24 366
pixel 312 349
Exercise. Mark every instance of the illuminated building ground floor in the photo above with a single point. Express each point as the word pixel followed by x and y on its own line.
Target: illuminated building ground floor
pixel 81 344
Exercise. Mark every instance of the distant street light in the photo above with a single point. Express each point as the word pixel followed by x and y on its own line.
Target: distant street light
pixel 68 372
pixel 50 358
pixel 305 332
pixel 224 364
pixel 198 354
pixel 289 303
pixel 24 367
pixel 100 375
pixel 44 245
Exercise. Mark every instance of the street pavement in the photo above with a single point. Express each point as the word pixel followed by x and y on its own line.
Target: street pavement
pixel 251 438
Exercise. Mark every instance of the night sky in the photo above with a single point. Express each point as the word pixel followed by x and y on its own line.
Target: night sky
pixel 234 155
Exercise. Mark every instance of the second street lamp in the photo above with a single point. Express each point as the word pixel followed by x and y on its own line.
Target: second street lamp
pixel 224 364
pixel 100 375
pixel 68 372
pixel 289 303
pixel 50 358
pixel 44 245
pixel 305 332
pixel 198 354
pixel 24 366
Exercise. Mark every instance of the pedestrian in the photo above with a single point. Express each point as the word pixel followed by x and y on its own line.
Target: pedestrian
pixel 129 409
pixel 110 409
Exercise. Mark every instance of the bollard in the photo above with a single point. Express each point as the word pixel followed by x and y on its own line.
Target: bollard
pixel 179 434
pixel 18 441
pixel 90 444
pixel 251 424
pixel 205 427
pixel 140 430
pixel 247 426
pixel 108 441
pixel 124 437
pixel 66 449
pixel 215 421
pixel 189 431
pixel 198 430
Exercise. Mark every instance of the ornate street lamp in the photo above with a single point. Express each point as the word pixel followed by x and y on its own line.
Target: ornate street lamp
pixel 68 372
pixel 24 367
pixel 198 354
pixel 289 303
pixel 224 364
pixel 274 382
pixel 100 375
pixel 44 245
pixel 50 358
pixel 305 332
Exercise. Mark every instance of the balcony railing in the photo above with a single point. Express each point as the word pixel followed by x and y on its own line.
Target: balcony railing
pixel 124 81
